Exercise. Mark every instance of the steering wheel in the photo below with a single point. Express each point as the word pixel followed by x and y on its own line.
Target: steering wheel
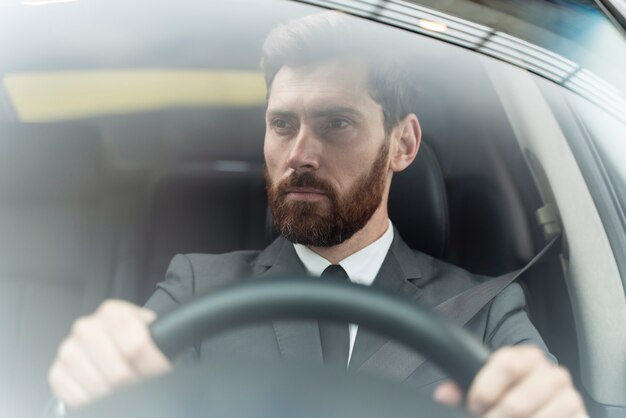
pixel 287 390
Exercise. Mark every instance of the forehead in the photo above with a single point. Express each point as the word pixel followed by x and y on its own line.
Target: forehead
pixel 333 83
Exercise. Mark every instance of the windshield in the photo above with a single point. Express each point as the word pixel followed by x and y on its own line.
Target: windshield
pixel 570 43
pixel 136 136
pixel 577 30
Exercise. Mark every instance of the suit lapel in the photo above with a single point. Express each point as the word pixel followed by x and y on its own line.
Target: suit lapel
pixel 278 259
pixel 401 273
pixel 297 340
pixel 381 356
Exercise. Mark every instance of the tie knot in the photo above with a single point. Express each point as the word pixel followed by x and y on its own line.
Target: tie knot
pixel 335 272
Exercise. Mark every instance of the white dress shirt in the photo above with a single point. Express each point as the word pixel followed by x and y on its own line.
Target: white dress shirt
pixel 361 267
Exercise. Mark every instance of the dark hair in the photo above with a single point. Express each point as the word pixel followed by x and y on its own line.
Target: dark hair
pixel 331 35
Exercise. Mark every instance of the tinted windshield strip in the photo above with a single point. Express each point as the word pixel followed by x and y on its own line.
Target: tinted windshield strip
pixel 488 41
pixel 616 10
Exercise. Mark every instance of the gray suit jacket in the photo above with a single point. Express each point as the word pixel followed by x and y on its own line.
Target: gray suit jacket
pixel 405 272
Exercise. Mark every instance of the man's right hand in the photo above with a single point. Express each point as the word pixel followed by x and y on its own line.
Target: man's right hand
pixel 105 350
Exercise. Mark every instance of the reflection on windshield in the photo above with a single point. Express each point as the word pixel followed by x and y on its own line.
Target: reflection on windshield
pixel 35 96
pixel 496 43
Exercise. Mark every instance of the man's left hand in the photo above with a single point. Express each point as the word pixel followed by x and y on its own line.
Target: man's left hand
pixel 518 382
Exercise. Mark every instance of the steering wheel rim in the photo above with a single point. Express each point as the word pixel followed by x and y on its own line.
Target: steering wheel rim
pixel 288 390
pixel 448 346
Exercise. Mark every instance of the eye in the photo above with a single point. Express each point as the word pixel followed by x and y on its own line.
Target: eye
pixel 279 123
pixel 281 126
pixel 338 123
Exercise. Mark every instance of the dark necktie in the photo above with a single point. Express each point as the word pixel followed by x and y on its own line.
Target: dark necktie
pixel 335 336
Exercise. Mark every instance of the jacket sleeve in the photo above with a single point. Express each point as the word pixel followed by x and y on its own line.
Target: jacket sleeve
pixel 508 322
pixel 179 286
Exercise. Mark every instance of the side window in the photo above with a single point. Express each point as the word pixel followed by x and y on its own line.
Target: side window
pixel 609 136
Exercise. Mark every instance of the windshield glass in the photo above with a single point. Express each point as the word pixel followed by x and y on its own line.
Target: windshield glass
pixel 570 43
pixel 140 138
pixel 575 29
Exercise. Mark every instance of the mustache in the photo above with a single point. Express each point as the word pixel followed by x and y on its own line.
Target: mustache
pixel 304 180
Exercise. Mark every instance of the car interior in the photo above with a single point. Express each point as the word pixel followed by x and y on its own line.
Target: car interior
pixel 94 207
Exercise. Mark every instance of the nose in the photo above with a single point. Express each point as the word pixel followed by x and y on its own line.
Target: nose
pixel 305 152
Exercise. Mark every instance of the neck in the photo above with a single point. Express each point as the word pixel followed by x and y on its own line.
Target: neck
pixel 374 229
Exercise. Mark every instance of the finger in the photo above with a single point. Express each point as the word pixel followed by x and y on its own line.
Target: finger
pixel 65 388
pixel 98 345
pixel 567 404
pixel 503 370
pixel 532 393
pixel 448 393
pixel 81 369
pixel 147 315
pixel 134 341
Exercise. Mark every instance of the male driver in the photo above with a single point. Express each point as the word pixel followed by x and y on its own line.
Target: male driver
pixel 339 123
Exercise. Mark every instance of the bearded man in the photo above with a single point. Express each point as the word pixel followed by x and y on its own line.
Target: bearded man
pixel 339 124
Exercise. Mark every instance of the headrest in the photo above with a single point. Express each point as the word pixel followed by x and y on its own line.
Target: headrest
pixel 218 134
pixel 418 206
pixel 55 162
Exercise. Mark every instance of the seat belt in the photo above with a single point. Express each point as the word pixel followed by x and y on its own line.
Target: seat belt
pixel 464 306
pixel 459 309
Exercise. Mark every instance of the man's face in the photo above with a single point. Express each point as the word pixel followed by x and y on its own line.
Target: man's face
pixel 326 152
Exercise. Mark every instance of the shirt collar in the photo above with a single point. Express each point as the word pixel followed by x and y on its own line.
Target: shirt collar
pixel 361 267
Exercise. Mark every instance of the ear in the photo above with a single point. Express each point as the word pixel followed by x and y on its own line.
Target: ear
pixel 407 136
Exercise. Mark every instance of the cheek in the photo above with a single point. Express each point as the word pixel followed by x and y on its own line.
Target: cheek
pixel 269 150
pixel 355 168
pixel 345 176
pixel 273 157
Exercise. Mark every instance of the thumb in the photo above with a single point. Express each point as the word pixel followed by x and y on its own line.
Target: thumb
pixel 147 315
pixel 448 393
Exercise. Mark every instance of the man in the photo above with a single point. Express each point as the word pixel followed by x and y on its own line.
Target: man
pixel 339 123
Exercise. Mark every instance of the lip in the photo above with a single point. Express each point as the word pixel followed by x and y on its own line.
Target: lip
pixel 305 190
pixel 306 194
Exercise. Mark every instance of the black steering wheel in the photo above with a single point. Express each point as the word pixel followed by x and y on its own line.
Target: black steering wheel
pixel 286 390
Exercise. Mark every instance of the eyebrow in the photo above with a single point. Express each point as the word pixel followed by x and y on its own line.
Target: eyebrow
pixel 282 113
pixel 342 110
pixel 323 112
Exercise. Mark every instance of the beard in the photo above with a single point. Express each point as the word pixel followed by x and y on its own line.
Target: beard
pixel 326 224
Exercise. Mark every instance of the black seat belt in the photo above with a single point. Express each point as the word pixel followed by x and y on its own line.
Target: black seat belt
pixel 464 306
